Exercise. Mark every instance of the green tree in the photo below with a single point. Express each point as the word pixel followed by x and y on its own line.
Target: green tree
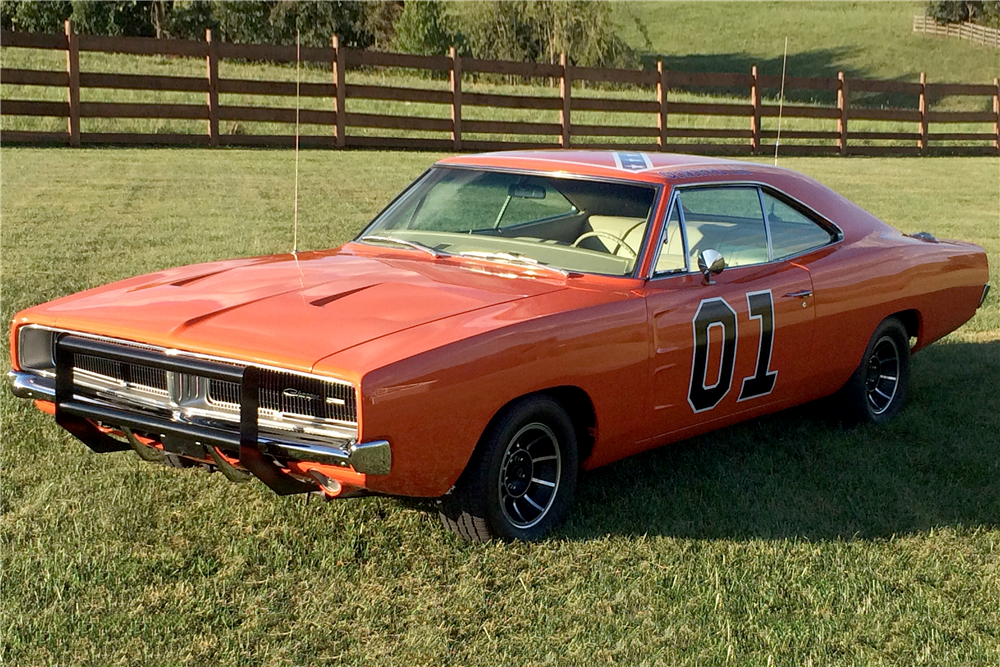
pixel 188 19
pixel 8 9
pixel 421 29
pixel 243 21
pixel 318 21
pixel 130 17
pixel 277 22
pixel 37 16
pixel 536 30
pixel 991 13
pixel 380 21
pixel 950 11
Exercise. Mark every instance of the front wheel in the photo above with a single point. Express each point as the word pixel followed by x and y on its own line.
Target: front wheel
pixel 877 389
pixel 520 481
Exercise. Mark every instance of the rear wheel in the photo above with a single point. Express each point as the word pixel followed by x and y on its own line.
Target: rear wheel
pixel 877 389
pixel 521 479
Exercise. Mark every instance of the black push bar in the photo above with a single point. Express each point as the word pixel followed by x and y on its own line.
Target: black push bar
pixel 77 416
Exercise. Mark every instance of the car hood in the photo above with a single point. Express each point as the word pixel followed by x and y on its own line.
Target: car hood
pixel 288 310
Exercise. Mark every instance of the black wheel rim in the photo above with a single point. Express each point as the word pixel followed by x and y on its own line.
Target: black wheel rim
pixel 530 472
pixel 882 378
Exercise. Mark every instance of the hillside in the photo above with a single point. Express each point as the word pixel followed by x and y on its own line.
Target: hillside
pixel 865 39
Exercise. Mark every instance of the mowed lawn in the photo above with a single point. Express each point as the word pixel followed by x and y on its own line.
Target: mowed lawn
pixel 782 541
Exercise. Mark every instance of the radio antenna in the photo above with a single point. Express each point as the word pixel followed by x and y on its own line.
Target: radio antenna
pixel 295 209
pixel 781 102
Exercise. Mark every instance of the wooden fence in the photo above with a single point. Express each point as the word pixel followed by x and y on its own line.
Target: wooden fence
pixel 453 132
pixel 972 32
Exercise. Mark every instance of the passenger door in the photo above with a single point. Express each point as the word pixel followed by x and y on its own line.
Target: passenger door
pixel 738 345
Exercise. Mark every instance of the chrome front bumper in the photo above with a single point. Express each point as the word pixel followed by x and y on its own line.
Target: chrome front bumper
pixel 372 458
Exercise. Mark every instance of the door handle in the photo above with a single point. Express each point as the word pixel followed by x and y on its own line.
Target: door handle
pixel 804 294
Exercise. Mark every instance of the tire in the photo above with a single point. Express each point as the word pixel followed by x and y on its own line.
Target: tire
pixel 877 390
pixel 520 481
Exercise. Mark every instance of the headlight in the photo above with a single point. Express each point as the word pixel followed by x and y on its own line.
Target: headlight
pixel 36 349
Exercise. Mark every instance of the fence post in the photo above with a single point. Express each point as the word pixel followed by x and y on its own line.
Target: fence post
pixel 755 118
pixel 456 98
pixel 73 70
pixel 922 106
pixel 212 65
pixel 996 112
pixel 842 105
pixel 564 94
pixel 661 97
pixel 341 93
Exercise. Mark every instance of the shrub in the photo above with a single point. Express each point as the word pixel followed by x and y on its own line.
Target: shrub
pixel 536 30
pixel 36 16
pixel 421 29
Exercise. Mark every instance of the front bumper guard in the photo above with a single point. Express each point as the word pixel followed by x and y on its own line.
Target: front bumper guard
pixel 77 413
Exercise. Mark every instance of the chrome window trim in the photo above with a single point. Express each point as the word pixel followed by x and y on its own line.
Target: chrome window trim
pixel 656 186
pixel 684 242
pixel 767 224
pixel 761 186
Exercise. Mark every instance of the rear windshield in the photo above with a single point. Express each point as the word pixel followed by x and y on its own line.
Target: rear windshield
pixel 568 224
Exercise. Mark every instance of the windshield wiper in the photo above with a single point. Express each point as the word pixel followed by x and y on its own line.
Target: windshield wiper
pixel 410 244
pixel 513 258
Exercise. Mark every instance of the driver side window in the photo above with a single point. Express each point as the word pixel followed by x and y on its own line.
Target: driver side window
pixel 729 220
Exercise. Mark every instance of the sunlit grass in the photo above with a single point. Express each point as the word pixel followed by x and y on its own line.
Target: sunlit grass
pixel 782 540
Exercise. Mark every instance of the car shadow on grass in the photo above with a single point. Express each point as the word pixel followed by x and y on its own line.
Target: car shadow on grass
pixel 796 475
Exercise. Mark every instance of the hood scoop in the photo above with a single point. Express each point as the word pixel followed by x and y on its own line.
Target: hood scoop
pixel 192 279
pixel 324 300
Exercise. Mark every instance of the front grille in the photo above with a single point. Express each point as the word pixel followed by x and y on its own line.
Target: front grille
pixel 284 397
pixel 224 394
pixel 133 376
pixel 291 394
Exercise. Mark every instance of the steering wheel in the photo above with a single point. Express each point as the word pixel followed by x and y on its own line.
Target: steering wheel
pixel 606 235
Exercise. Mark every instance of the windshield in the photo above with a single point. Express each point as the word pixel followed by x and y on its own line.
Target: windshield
pixel 566 224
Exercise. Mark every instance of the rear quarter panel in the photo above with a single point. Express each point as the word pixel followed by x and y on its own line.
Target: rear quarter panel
pixel 874 272
pixel 861 284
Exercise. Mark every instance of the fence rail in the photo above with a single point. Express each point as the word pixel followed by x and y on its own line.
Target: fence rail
pixel 453 131
pixel 972 32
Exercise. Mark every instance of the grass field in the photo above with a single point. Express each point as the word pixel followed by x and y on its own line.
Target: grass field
pixel 865 39
pixel 782 541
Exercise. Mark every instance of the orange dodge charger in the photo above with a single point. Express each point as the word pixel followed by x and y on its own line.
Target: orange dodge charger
pixel 507 320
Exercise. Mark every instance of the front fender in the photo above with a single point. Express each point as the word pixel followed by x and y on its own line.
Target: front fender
pixel 433 405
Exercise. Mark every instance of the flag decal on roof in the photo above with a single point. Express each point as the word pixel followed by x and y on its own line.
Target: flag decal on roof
pixel 632 161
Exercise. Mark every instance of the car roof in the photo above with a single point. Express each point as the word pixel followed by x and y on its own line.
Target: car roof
pixel 674 169
pixel 622 164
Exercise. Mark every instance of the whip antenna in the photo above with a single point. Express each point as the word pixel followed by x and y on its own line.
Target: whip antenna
pixel 295 210
pixel 781 102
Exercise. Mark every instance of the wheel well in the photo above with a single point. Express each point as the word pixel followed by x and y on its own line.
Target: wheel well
pixel 580 409
pixel 911 322
pixel 577 405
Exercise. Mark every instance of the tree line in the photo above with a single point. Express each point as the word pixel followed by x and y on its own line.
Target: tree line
pixel 520 30
pixel 983 12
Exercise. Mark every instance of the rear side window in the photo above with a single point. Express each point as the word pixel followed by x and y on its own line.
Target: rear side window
pixel 792 232
pixel 728 220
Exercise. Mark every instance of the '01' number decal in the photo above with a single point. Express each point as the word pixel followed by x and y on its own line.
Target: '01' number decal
pixel 716 312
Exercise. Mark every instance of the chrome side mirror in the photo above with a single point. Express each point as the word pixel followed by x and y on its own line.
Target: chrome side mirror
pixel 710 263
